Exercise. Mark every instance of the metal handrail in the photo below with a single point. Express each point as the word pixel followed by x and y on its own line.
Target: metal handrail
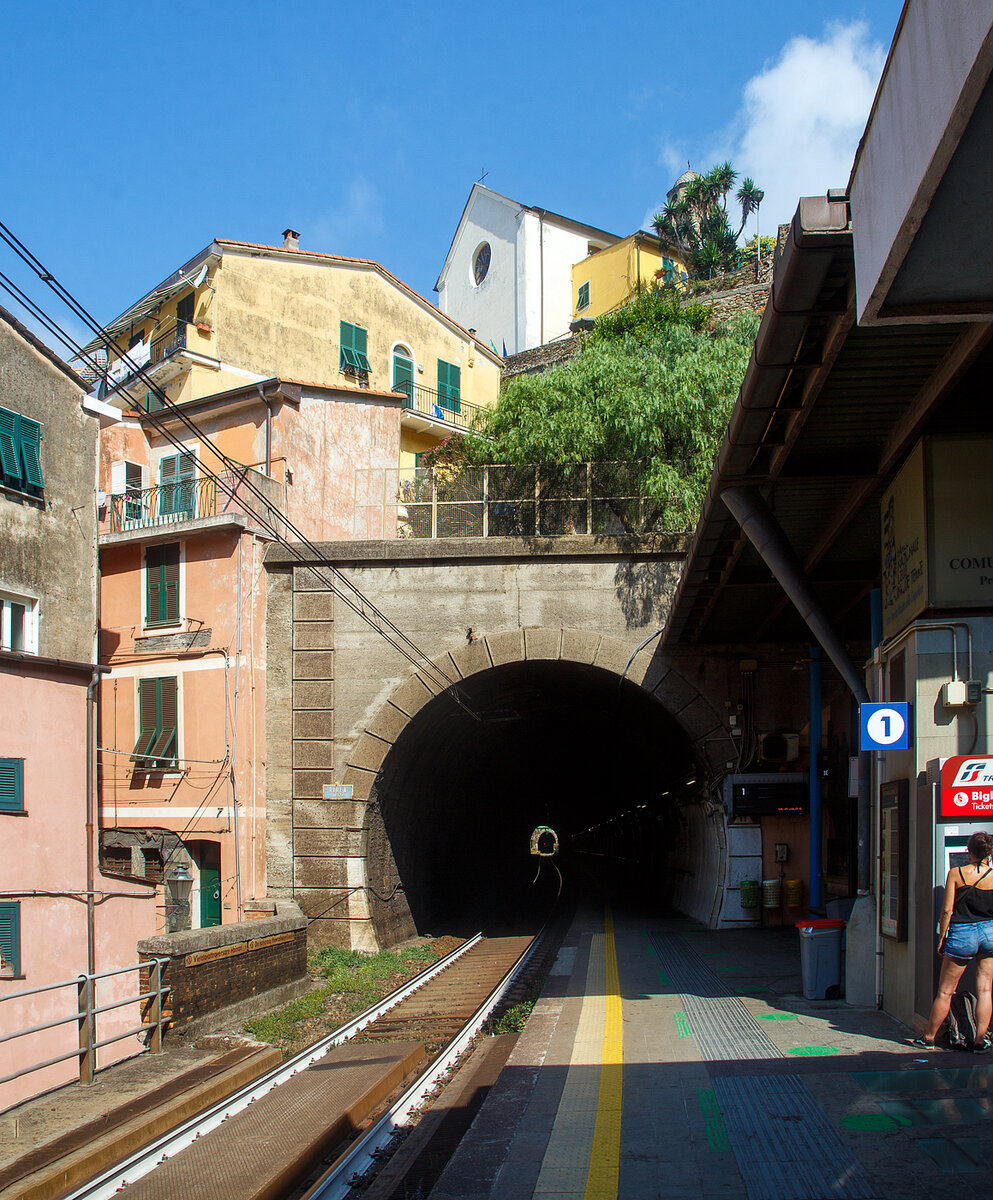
pixel 453 410
pixel 86 1013
pixel 191 500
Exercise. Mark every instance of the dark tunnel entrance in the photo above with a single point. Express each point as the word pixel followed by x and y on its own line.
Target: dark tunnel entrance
pixel 537 743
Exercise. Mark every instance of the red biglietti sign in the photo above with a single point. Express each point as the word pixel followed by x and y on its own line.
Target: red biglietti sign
pixel 966 788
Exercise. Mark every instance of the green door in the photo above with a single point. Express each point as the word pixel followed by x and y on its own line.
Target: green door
pixel 403 378
pixel 210 885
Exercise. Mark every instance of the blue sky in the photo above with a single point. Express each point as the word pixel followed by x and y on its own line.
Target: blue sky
pixel 136 133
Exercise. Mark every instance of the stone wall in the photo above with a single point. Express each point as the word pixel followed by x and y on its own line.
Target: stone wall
pixel 211 969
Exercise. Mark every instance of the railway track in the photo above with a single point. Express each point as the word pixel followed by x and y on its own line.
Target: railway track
pixel 444 1007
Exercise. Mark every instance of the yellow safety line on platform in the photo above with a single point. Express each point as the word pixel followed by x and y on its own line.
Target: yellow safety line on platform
pixel 605 1155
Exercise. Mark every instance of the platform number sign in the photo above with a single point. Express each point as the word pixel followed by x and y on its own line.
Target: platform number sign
pixel 884 726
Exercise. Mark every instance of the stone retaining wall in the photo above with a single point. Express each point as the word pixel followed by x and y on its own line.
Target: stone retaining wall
pixel 210 969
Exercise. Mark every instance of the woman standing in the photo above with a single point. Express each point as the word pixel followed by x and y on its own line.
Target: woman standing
pixel 966 932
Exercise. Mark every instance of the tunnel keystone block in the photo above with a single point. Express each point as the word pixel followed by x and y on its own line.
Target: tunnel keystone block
pixel 361 781
pixel 411 696
pixel 471 658
pixel 542 643
pixel 578 646
pixel 388 723
pixel 369 753
pixel 506 647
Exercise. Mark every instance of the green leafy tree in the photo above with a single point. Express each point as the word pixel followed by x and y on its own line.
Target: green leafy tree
pixel 651 385
pixel 697 223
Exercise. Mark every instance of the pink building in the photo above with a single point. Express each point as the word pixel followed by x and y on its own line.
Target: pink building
pixel 60 917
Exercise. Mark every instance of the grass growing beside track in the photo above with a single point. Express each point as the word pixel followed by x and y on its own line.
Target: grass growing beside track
pixel 351 980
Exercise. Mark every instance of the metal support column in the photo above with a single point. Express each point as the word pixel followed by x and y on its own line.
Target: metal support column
pixel 814 781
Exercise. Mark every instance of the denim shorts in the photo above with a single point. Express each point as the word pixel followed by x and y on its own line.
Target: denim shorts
pixel 964 941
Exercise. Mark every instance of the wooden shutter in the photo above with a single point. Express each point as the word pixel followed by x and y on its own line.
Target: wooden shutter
pixel 11 784
pixel 403 376
pixel 30 443
pixel 164 747
pixel 175 480
pixel 147 721
pixel 10 936
pixel 9 462
pixel 162 584
pixel 449 380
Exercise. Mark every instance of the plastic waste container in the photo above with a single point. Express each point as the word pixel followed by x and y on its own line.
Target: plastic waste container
pixel 820 957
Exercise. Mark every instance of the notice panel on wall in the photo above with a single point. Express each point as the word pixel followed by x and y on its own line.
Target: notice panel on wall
pixel 894 811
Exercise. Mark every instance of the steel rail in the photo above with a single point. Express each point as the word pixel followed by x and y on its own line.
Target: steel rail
pixel 105 1185
pixel 338 1181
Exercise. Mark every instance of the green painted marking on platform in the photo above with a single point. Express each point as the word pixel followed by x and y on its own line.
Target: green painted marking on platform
pixel 664 979
pixel 813 1051
pixel 713 1121
pixel 682 1024
pixel 873 1122
pixel 777 1016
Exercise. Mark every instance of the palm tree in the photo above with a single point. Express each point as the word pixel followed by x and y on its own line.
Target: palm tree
pixel 695 219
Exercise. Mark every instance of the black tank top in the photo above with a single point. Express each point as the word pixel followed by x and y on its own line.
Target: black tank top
pixel 972 904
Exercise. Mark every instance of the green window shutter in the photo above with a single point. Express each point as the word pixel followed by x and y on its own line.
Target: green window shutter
pixel 449 385
pixel 10 936
pixel 11 785
pixel 354 347
pixel 162 584
pixel 176 484
pixel 148 714
pixel 164 748
pixel 403 378
pixel 583 298
pixel 30 443
pixel 9 460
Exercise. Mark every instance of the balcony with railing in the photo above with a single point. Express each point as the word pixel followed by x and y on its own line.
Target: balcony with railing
pixel 160 359
pixel 242 493
pixel 426 410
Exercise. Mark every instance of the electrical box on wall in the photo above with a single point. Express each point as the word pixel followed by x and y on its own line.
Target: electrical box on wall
pixel 961 693
pixel 779 747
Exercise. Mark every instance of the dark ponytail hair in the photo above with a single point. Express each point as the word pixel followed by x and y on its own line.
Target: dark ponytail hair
pixel 980 846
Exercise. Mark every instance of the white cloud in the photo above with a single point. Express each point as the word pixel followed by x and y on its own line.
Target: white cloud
pixel 803 114
pixel 356 219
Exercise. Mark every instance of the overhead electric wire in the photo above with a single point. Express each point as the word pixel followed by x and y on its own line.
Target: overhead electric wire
pixel 338 583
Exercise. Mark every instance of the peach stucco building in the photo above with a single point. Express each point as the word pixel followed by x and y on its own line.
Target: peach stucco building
pixel 253 385
pixel 60 917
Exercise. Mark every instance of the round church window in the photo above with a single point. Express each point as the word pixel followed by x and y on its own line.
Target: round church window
pixel 481 263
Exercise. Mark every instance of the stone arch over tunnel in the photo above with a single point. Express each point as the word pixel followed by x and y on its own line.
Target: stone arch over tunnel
pixel 610 747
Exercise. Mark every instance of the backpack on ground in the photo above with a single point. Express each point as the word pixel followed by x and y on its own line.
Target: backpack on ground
pixel 961 1023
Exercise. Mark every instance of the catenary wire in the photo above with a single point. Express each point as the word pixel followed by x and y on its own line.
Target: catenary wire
pixel 338 583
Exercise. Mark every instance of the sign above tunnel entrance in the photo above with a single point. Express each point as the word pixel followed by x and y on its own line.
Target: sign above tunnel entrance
pixel 337 791
pixel 885 726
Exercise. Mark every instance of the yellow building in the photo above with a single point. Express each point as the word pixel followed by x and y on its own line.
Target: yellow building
pixel 240 312
pixel 606 278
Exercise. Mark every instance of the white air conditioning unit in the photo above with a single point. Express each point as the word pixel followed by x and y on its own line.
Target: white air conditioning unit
pixel 779 747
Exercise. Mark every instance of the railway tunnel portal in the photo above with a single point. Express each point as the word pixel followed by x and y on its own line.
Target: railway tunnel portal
pixel 398 803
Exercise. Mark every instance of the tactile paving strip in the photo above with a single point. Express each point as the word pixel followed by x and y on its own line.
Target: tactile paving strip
pixel 723 1027
pixel 784 1144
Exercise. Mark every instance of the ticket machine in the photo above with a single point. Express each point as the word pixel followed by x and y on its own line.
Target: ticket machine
pixel 963 805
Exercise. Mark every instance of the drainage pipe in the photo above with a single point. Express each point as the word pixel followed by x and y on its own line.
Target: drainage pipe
pixel 750 510
pixel 814 779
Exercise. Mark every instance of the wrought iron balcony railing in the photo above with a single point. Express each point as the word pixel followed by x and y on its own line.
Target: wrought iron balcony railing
pixel 437 406
pixel 193 500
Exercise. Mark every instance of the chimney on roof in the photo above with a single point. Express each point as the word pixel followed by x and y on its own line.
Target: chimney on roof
pixel 291 239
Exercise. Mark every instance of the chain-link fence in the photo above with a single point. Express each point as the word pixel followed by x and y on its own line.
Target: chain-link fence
pixel 505 501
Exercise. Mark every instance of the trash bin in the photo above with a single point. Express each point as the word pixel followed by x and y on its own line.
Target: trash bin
pixel 820 957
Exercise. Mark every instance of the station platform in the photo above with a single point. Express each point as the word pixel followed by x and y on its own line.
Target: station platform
pixel 666 1060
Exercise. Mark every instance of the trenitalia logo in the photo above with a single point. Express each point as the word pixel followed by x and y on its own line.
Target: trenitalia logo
pixel 974 771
